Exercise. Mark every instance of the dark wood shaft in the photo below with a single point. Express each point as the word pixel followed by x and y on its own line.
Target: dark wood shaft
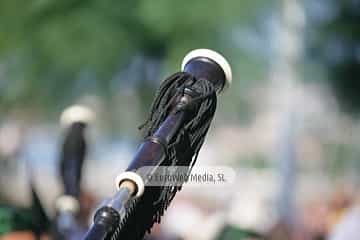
pixel 205 68
pixel 153 150
pixel 152 153
pixel 97 231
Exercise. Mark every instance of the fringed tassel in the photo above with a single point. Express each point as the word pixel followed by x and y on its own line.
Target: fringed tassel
pixel 182 151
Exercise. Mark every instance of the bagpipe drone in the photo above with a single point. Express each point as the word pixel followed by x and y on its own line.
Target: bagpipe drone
pixel 75 121
pixel 179 120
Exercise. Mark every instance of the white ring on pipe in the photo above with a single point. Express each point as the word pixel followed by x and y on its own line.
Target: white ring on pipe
pixel 216 57
pixel 76 113
pixel 135 178
pixel 67 203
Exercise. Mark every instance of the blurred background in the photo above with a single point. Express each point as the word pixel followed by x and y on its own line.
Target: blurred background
pixel 288 125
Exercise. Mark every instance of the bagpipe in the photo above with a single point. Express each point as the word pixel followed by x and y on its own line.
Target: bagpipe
pixel 34 220
pixel 174 132
pixel 74 121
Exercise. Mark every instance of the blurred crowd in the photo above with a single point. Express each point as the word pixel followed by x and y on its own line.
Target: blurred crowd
pixel 333 216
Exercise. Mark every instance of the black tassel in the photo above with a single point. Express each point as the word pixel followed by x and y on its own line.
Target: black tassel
pixel 182 150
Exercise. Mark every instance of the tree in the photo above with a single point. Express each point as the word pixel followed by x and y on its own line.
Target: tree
pixel 335 42
pixel 46 46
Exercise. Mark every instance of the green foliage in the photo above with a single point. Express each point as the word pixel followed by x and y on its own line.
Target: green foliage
pixel 47 46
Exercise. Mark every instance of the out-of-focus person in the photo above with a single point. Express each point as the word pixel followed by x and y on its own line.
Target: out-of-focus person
pixel 22 223
pixel 348 227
